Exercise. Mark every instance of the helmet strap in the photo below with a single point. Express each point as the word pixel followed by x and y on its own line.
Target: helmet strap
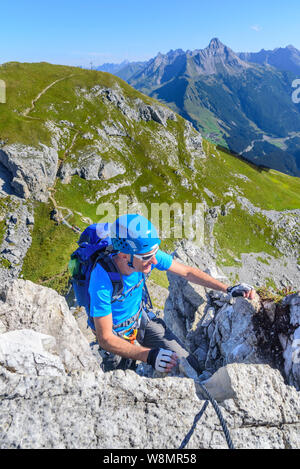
pixel 130 264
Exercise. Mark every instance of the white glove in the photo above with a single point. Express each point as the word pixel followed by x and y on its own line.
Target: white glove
pixel 159 359
pixel 238 290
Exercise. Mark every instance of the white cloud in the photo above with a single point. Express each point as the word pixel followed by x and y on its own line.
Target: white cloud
pixel 256 28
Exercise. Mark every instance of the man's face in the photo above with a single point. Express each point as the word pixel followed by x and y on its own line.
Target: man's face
pixel 140 264
pixel 144 265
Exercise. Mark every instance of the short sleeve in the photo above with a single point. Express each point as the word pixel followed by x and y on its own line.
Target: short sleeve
pixel 164 261
pixel 100 291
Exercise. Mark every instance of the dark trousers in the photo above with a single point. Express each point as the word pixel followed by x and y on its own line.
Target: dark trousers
pixel 153 333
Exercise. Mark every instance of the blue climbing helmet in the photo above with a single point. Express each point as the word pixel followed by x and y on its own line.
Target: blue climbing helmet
pixel 133 234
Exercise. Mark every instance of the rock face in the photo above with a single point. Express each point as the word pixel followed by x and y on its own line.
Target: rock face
pixel 48 366
pixel 33 170
pixel 17 238
pixel 90 166
pixel 28 352
pixel 193 143
pixel 188 304
pixel 290 341
pixel 92 411
pixel 54 395
pixel 25 305
pixel 256 332
pixel 221 330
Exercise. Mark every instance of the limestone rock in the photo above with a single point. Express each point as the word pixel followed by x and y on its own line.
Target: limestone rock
pixel 193 141
pixel 136 110
pixel 234 338
pixel 188 303
pixel 257 332
pixel 92 411
pixel 17 238
pixel 91 166
pixel 154 112
pixel 33 169
pixel 291 341
pixel 89 162
pixel 31 353
pixel 25 305
pixel 109 170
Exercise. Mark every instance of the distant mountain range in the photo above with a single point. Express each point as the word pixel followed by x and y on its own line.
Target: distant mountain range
pixel 284 59
pixel 242 101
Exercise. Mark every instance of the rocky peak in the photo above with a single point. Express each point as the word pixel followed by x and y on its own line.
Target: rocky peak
pixel 174 53
pixel 214 59
pixel 217 58
pixel 215 43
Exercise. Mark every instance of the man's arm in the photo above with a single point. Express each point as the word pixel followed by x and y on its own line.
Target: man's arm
pixel 161 360
pixel 194 275
pixel 114 344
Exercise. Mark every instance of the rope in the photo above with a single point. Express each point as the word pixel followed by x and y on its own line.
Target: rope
pixel 220 416
pixel 196 420
pixel 199 415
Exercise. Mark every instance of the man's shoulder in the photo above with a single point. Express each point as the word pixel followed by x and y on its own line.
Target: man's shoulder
pixel 164 260
pixel 100 278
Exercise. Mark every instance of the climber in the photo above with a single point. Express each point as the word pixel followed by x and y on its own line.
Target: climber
pixel 120 324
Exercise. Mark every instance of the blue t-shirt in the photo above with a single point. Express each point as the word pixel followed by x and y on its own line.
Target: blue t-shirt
pixel 101 289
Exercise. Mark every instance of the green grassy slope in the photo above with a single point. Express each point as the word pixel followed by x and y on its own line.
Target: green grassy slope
pixel 154 156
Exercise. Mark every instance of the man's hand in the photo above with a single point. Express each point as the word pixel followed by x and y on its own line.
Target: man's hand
pixel 242 289
pixel 162 360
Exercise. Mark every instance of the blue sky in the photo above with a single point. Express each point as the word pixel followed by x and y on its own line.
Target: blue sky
pixel 74 32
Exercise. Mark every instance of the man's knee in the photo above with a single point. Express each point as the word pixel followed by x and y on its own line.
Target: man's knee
pixel 158 335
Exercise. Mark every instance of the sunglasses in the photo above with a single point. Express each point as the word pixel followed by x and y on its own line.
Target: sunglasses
pixel 148 256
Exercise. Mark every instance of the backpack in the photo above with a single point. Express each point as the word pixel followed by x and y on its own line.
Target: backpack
pixel 95 247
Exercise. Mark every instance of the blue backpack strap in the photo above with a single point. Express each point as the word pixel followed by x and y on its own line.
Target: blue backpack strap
pixel 147 303
pixel 104 259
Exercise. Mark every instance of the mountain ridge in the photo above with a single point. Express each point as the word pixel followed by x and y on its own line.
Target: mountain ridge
pixel 282 58
pixel 232 102
pixel 261 57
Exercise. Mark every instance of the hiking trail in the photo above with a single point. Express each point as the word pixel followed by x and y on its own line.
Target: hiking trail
pixel 34 101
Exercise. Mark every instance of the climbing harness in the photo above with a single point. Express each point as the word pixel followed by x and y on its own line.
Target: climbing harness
pixel 132 336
